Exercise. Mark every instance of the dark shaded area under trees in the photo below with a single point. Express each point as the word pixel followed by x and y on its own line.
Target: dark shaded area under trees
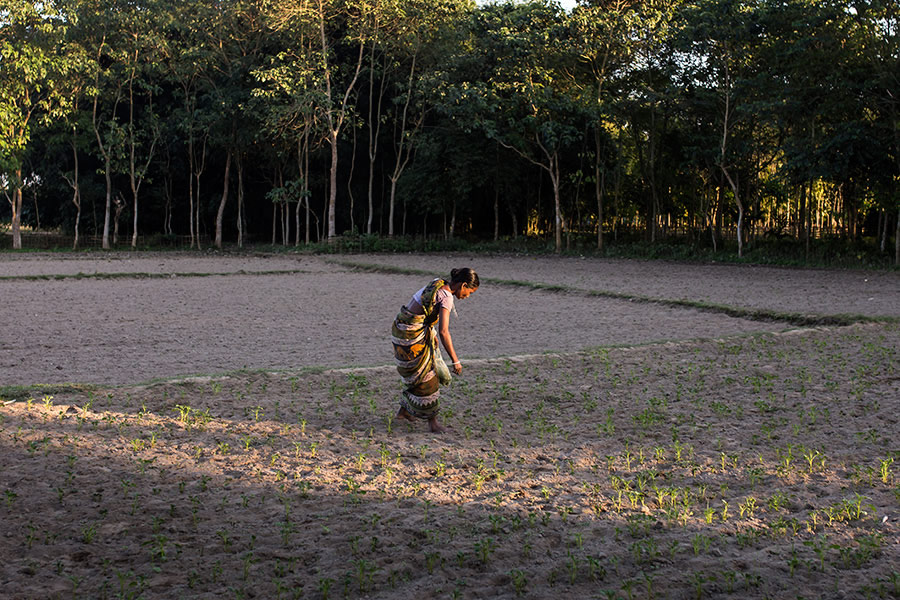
pixel 715 121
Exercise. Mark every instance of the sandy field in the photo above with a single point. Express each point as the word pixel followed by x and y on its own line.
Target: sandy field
pixel 220 426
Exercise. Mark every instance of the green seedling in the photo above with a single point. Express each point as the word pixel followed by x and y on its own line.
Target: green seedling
pixel 574 564
pixel 88 532
pixel 485 548
pixel 226 539
pixel 885 469
pixel 157 546
pixel 432 560
pixel 184 413
pixel 812 457
pixel 325 584
pixel 700 543
pixel 519 581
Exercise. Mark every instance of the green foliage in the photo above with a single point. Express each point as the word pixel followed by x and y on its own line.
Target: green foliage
pixel 610 123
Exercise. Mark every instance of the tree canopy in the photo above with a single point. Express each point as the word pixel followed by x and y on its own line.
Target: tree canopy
pixel 718 121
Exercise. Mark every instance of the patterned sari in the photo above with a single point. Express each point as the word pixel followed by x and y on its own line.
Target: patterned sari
pixel 419 360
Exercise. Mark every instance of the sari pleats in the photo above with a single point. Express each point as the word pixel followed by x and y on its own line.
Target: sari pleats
pixel 415 348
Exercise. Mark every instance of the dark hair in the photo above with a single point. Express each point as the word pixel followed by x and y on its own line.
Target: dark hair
pixel 466 276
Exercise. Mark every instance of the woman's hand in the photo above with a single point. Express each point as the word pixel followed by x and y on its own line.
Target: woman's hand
pixel 457 368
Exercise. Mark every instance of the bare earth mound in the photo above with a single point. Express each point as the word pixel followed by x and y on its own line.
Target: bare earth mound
pixel 599 447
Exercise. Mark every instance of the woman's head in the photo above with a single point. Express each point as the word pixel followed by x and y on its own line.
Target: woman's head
pixel 463 281
pixel 466 276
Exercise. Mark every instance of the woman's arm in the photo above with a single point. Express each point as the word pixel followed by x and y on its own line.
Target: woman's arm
pixel 446 340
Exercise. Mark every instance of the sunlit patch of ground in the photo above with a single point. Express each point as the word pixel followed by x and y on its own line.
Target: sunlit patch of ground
pixel 742 467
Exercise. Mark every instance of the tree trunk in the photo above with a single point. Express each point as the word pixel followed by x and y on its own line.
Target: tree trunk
pixel 107 166
pixel 297 221
pixel 404 141
pixel 37 213
pixel 76 199
pixel 332 183
pixel 453 218
pixel 76 190
pixel 120 206
pixel 600 183
pixel 554 179
pixel 197 209
pixel 136 174
pixel 200 166
pixel 740 207
pixel 240 201
pixel 350 181
pixel 809 219
pixel 374 121
pixel 720 210
pixel 371 202
pixel 17 211
pixel 191 186
pixel 134 231
pixel 897 241
pixel 391 209
pixel 220 214
pixel 496 211
pixel 107 214
pixel 515 220
pixel 306 211
pixel 306 191
pixel 801 210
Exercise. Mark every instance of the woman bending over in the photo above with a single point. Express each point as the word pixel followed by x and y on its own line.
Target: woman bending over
pixel 419 360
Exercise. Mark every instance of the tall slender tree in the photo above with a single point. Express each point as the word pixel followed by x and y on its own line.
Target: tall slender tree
pixel 538 115
pixel 603 39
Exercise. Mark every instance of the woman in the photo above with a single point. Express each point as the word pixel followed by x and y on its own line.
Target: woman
pixel 419 360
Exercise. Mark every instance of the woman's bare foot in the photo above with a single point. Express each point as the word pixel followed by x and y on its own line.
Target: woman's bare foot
pixel 435 426
pixel 404 414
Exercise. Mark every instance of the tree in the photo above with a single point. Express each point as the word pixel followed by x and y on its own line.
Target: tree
pixel 379 65
pixel 536 116
pixel 76 143
pixel 108 132
pixel 186 57
pixel 33 62
pixel 603 39
pixel 75 86
pixel 719 39
pixel 417 44
pixel 122 45
pixel 879 32
pixel 140 59
pixel 339 26
pixel 236 36
pixel 289 99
